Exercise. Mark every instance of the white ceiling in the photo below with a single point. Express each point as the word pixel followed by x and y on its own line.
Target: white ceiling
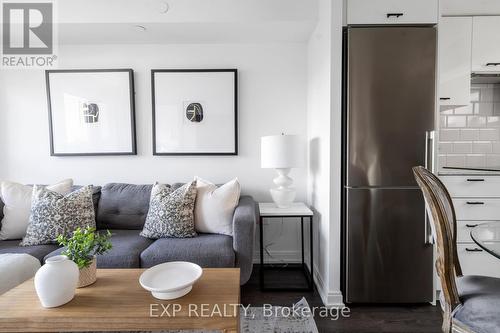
pixel 470 7
pixel 186 21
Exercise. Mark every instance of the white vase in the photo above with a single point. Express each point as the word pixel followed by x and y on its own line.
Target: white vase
pixel 55 282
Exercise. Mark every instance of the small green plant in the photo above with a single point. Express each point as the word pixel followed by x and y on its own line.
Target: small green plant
pixel 84 245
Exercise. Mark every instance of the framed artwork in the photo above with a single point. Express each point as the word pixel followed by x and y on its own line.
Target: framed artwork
pixel 195 111
pixel 91 112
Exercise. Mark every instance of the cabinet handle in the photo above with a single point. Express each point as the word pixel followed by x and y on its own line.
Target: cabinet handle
pixel 493 64
pixel 471 225
pixel 444 98
pixel 468 249
pixel 397 15
pixel 475 180
pixel 475 203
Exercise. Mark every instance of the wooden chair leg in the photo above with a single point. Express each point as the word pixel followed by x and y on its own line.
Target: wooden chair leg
pixel 447 322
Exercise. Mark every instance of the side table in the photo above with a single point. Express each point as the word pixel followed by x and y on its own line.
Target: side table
pixel 298 210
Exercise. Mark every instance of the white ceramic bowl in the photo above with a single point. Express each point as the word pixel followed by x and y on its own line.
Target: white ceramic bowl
pixel 170 280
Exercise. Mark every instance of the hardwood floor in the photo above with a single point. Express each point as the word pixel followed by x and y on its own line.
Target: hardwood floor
pixel 363 318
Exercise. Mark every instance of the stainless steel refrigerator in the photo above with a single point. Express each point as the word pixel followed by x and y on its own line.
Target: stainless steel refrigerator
pixel 389 112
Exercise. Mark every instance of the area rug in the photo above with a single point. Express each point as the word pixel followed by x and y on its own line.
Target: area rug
pixel 254 320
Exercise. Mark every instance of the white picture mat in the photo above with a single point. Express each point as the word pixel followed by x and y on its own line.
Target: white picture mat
pixel 215 92
pixel 111 91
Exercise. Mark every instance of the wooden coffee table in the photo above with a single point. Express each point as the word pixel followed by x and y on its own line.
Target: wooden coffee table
pixel 116 302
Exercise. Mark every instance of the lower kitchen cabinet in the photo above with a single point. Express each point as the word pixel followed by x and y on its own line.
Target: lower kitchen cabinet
pixel 476 199
pixel 475 261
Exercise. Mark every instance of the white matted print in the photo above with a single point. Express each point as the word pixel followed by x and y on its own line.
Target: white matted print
pixel 195 112
pixel 91 112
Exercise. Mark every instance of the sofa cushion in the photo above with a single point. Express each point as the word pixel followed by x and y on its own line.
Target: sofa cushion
pixel 17 200
pixel 127 247
pixel 206 250
pixel 123 206
pixel 37 251
pixel 54 214
pixel 480 297
pixel 215 206
pixel 96 194
pixel 171 212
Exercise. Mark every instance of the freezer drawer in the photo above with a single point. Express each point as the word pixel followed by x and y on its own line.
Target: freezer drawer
pixel 388 260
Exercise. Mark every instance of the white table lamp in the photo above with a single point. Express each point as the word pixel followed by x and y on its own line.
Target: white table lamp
pixel 282 152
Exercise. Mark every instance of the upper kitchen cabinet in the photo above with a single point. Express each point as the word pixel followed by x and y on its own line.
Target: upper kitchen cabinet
pixel 486 44
pixel 455 42
pixel 392 12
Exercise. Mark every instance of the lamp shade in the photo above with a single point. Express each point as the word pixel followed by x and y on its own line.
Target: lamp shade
pixel 282 151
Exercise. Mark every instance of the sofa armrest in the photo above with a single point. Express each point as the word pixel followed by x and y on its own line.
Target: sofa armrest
pixel 246 216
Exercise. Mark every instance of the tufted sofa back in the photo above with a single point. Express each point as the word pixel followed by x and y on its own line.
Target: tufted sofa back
pixel 124 206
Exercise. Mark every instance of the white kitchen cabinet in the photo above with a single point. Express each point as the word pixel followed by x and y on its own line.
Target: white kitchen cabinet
pixel 465 227
pixel 477 209
pixel 476 199
pixel 472 186
pixel 455 45
pixel 475 261
pixel 392 11
pixel 486 44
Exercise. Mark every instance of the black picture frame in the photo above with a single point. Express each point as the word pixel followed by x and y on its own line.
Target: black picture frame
pixel 133 143
pixel 226 70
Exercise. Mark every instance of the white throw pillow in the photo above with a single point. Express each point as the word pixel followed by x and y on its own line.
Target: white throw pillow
pixel 214 208
pixel 17 200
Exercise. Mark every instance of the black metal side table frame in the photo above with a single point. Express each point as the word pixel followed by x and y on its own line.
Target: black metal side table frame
pixel 309 274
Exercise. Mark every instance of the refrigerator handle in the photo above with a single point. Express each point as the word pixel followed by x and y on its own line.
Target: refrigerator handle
pixel 429 150
pixel 429 165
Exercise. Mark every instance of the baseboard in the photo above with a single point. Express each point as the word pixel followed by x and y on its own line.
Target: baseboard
pixel 331 299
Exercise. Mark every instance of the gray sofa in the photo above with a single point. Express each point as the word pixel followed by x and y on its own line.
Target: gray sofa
pixel 122 208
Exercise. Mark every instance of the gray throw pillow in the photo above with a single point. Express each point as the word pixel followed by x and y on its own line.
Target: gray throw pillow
pixel 171 212
pixel 53 214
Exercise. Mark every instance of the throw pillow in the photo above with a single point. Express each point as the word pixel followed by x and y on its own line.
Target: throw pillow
pixel 17 200
pixel 53 214
pixel 214 209
pixel 171 212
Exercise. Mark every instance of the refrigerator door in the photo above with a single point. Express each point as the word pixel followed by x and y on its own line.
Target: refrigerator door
pixel 388 257
pixel 391 103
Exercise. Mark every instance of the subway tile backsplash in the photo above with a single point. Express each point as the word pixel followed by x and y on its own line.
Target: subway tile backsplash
pixel 470 135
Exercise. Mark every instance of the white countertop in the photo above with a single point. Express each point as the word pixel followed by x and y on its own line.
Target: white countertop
pixel 468 172
pixel 268 209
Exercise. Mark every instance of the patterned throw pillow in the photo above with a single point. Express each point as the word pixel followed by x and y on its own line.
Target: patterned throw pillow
pixel 53 214
pixel 171 212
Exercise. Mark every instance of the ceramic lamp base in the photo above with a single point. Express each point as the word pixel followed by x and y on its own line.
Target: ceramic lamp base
pixel 284 194
pixel 283 197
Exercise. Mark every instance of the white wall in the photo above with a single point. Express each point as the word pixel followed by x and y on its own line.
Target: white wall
pixel 324 137
pixel 470 7
pixel 272 99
